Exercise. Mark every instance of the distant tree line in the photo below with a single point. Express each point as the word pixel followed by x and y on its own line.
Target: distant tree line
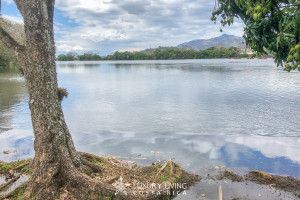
pixel 73 56
pixel 160 54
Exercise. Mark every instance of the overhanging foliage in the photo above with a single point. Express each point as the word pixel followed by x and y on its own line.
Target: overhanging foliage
pixel 270 26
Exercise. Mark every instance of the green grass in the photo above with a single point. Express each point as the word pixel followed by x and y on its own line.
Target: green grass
pixel 177 178
pixel 18 195
pixel 157 166
pixel 164 178
pixel 8 166
pixel 94 160
pixel 166 175
pixel 26 169
pixel 4 168
pixel 111 197
pixel 17 163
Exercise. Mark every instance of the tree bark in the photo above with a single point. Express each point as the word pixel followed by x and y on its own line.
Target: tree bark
pixel 11 43
pixel 55 154
pixel 57 168
pixel 56 165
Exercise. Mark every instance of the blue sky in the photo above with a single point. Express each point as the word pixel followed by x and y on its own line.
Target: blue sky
pixel 105 26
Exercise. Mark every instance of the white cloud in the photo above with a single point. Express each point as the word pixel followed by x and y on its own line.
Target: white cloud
pixel 272 147
pixel 9 1
pixel 112 24
pixel 130 49
pixel 68 48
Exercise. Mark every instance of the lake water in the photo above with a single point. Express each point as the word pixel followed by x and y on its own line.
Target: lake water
pixel 239 114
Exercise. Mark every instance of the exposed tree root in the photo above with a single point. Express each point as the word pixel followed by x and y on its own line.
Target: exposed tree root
pixel 90 167
pixel 21 166
pixel 4 185
pixel 101 178
pixel 91 156
pixel 17 190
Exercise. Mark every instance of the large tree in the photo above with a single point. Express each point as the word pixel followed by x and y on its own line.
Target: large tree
pixel 56 164
pixel 271 26
pixel 58 171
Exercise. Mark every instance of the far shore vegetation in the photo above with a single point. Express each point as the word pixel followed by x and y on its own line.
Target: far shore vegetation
pixel 167 53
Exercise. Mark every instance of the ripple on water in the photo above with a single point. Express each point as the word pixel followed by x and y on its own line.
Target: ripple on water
pixel 220 110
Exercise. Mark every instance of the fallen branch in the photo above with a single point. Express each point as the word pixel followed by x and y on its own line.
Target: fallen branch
pixel 9 182
pixel 91 156
pixel 94 167
pixel 3 197
pixel 162 168
pixel 21 166
pixel 169 163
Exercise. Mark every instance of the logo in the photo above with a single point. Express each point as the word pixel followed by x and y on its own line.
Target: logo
pixel 120 186
pixel 152 189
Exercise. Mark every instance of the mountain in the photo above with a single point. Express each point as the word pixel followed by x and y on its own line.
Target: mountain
pixel 221 41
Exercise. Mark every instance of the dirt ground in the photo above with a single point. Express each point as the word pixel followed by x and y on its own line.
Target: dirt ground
pixel 159 181
pixel 164 180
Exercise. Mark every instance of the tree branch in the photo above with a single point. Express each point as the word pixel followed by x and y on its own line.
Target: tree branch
pixel 10 42
pixel 20 5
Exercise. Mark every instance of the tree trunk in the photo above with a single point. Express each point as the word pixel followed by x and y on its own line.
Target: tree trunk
pixel 57 165
pixel 53 145
pixel 57 168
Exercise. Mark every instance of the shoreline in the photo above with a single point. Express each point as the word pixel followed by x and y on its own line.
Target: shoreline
pixel 260 184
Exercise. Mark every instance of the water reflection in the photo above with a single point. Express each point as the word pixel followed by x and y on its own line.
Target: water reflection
pixel 201 113
pixel 237 98
pixel 12 93
pixel 200 153
pixel 18 143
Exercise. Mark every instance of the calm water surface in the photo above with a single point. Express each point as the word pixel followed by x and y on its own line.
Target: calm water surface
pixel 241 114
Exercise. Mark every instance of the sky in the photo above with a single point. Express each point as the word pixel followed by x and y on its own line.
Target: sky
pixel 105 26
